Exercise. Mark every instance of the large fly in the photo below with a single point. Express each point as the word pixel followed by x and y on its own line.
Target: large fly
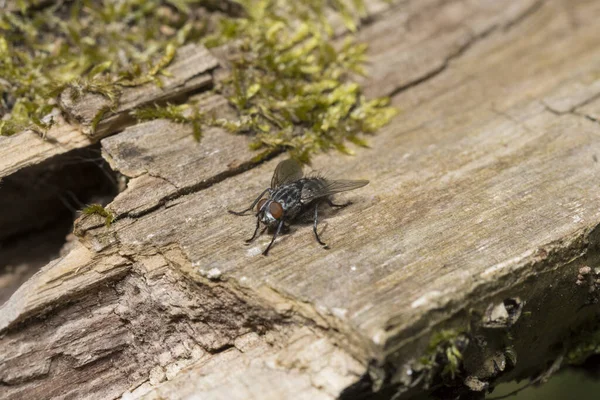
pixel 292 195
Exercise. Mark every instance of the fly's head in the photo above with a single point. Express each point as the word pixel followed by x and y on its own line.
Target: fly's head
pixel 270 212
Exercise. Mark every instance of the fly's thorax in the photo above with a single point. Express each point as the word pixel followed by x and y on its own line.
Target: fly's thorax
pixel 289 196
pixel 283 201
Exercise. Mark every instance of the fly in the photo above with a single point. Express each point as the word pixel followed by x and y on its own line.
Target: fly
pixel 292 195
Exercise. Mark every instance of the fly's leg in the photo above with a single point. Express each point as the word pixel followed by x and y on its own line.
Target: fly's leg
pixel 251 206
pixel 315 227
pixel 332 204
pixel 274 237
pixel 248 241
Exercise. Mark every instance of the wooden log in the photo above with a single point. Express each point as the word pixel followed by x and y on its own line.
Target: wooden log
pixel 477 235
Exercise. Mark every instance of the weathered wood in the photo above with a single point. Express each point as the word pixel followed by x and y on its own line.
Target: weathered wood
pixel 190 71
pixel 146 152
pixel 30 148
pixel 309 364
pixel 483 200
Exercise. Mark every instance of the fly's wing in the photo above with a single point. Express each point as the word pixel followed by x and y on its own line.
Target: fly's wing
pixel 318 187
pixel 287 171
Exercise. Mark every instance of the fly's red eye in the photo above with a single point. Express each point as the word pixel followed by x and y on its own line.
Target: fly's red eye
pixel 276 210
pixel 260 204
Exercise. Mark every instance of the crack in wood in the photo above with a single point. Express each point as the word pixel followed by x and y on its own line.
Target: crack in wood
pixel 529 12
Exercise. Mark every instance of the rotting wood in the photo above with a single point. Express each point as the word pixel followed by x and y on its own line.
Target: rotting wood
pixel 482 192
pixel 190 70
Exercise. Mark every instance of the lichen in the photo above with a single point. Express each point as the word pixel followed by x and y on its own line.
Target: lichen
pixel 97 209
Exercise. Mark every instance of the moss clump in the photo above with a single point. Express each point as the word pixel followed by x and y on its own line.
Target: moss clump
pixel 292 85
pixel 86 45
pixel 586 344
pixel 97 209
pixel 444 354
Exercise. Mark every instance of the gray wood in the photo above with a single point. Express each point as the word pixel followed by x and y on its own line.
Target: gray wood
pixel 483 190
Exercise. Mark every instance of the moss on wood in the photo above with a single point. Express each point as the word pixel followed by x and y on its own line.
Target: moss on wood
pixel 292 84
pixel 87 46
pixel 97 209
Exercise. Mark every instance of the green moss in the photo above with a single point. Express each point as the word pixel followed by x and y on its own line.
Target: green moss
pixel 87 46
pixel 586 344
pixel 97 209
pixel 444 353
pixel 182 114
pixel 294 87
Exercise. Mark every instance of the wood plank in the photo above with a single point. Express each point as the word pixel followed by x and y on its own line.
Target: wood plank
pixel 305 365
pixel 188 73
pixel 29 148
pixel 482 193
pixel 119 356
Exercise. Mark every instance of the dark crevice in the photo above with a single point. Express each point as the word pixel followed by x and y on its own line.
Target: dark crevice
pixel 22 256
pixel 365 387
pixel 36 198
pixel 221 349
pixel 38 206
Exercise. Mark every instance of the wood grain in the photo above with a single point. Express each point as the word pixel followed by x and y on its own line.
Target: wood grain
pixel 482 190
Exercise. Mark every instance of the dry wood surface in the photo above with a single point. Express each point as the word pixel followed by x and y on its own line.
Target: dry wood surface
pixel 483 194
